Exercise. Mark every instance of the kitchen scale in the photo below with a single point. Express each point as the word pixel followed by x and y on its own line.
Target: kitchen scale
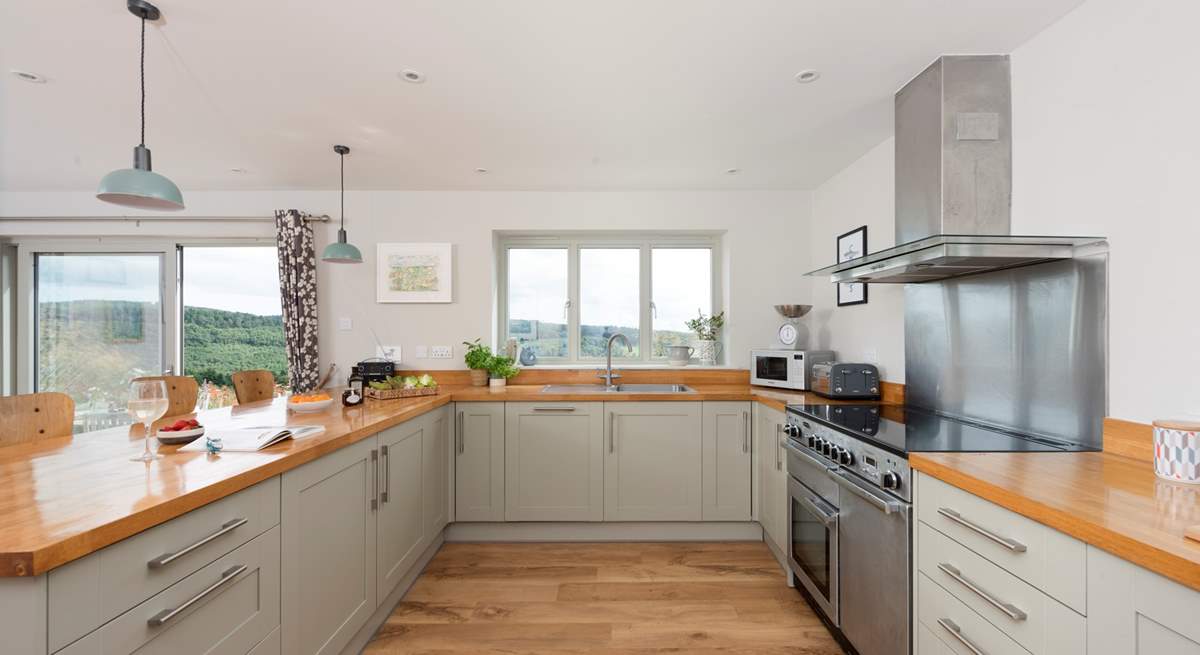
pixel 793 335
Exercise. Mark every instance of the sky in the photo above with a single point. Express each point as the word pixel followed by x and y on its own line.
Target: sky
pixel 240 279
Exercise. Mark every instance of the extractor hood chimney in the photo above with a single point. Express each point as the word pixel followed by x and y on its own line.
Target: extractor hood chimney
pixel 954 181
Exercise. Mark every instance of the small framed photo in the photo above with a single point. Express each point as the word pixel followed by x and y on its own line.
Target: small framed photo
pixel 852 245
pixel 413 272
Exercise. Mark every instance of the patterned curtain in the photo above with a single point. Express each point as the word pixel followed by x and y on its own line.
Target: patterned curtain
pixel 298 293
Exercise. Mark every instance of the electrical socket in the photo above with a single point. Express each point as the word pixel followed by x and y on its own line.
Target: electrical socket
pixel 871 355
pixel 345 324
pixel 391 353
pixel 421 352
pixel 441 352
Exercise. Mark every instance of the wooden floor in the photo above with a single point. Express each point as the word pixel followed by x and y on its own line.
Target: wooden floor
pixel 705 598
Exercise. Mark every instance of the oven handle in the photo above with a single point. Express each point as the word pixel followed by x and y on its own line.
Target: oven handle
pixel 828 517
pixel 876 498
pixel 824 466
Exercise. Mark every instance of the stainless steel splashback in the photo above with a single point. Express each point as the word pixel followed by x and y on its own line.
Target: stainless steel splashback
pixel 1022 349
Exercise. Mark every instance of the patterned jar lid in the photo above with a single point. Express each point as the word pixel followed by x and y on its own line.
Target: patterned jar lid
pixel 1185 424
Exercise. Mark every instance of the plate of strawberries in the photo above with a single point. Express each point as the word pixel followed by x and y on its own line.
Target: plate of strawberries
pixel 185 430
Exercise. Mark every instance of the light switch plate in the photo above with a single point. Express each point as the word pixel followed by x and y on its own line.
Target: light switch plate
pixel 345 324
pixel 421 352
pixel 391 353
pixel 441 352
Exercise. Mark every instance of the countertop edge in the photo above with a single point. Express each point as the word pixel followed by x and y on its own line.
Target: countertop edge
pixel 1150 557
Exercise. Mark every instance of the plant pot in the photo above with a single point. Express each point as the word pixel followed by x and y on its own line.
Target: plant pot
pixel 497 382
pixel 707 351
pixel 479 377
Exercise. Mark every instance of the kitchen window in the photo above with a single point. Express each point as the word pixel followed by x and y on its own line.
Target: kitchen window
pixel 562 296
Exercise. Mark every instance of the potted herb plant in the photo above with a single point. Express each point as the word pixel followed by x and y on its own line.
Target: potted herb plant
pixel 707 329
pixel 502 368
pixel 478 358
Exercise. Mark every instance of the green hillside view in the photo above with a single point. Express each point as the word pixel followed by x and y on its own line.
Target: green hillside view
pixel 216 343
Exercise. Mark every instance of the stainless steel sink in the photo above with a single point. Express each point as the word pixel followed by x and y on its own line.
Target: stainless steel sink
pixel 617 388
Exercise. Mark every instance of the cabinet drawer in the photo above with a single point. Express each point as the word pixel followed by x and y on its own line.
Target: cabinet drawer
pixel 1039 623
pixel 90 591
pixel 226 608
pixel 1041 556
pixel 955 625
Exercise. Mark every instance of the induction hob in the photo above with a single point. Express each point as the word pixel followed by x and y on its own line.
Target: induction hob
pixel 925 431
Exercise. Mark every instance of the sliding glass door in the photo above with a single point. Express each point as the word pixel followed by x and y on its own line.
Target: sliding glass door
pixel 98 323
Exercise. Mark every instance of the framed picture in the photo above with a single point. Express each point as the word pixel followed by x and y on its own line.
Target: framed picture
pixel 852 245
pixel 413 272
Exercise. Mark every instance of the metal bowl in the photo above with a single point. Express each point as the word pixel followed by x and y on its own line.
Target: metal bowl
pixel 792 311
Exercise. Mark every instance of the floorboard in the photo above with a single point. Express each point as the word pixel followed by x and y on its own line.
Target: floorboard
pixel 603 599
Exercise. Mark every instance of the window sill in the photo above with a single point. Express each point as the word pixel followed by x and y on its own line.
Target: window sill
pixel 639 365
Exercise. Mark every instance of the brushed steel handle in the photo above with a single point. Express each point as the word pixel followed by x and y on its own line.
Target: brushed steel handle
pixel 1011 544
pixel 956 632
pixel 462 442
pixel 1009 609
pixel 884 504
pixel 778 446
pixel 554 409
pixel 167 558
pixel 612 432
pixel 387 475
pixel 374 479
pixel 168 614
pixel 745 432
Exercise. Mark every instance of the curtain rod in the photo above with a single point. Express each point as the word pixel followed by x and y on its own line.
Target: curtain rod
pixel 322 218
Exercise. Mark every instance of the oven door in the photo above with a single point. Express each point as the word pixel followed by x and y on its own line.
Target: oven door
pixel 813 546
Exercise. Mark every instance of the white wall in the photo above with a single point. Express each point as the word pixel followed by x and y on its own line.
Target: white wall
pixel 861 194
pixel 1105 143
pixel 763 238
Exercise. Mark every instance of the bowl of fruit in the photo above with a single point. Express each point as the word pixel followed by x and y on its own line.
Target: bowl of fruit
pixel 185 430
pixel 401 386
pixel 309 402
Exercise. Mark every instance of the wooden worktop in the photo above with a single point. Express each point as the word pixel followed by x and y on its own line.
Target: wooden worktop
pixel 1110 501
pixel 63 498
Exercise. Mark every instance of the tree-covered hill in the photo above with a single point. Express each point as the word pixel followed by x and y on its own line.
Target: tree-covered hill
pixel 217 343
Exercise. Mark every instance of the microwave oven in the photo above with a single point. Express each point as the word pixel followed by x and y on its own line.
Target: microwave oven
pixel 785 369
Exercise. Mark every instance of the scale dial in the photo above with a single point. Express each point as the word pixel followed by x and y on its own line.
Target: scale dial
pixel 788 334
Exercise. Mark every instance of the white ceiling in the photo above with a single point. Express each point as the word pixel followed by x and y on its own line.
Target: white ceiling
pixel 546 94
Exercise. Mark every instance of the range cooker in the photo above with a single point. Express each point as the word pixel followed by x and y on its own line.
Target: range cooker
pixel 850 509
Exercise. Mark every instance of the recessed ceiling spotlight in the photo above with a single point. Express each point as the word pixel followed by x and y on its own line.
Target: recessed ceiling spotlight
pixel 26 76
pixel 806 76
pixel 410 75
pixel 482 171
pixel 732 171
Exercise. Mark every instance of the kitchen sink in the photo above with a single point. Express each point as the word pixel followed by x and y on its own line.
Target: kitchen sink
pixel 618 388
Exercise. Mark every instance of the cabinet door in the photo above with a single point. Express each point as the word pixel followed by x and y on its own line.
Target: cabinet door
pixel 772 480
pixel 652 461
pixel 726 461
pixel 1132 611
pixel 328 529
pixel 554 462
pixel 435 454
pixel 479 462
pixel 401 507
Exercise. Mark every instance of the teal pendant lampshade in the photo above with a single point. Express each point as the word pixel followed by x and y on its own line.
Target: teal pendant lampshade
pixel 140 186
pixel 341 252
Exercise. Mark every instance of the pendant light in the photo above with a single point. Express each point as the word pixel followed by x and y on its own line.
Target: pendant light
pixel 341 252
pixel 140 186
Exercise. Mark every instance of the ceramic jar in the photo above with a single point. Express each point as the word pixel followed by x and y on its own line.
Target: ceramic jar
pixel 1177 450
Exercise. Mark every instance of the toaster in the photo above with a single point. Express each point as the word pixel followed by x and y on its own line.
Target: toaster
pixel 839 380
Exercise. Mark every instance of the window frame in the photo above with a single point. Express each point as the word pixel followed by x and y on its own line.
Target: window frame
pixel 646 243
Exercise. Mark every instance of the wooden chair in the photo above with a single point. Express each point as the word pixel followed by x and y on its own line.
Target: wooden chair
pixel 182 393
pixel 250 386
pixel 35 416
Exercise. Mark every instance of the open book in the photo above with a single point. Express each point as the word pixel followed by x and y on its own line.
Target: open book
pixel 251 439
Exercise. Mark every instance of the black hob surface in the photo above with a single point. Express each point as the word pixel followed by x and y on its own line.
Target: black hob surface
pixel 924 431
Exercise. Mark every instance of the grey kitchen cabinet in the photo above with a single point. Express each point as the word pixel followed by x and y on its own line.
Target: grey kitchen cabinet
pixel 554 461
pixel 726 461
pixel 328 553
pixel 652 469
pixel 435 475
pixel 772 477
pixel 479 462
pixel 400 516
pixel 1133 611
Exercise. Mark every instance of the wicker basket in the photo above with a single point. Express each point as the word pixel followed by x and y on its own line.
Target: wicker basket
pixel 392 394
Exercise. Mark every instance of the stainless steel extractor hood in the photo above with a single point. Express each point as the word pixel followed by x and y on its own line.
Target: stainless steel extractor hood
pixel 954 181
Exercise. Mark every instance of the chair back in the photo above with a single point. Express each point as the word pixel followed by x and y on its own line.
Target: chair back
pixel 250 386
pixel 182 392
pixel 35 416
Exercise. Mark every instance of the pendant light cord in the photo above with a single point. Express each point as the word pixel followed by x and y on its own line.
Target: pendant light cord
pixel 342 163
pixel 142 74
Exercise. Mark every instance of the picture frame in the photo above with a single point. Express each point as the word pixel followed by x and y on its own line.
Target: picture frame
pixel 852 245
pixel 414 273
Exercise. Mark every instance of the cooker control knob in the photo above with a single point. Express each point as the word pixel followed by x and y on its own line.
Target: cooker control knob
pixel 835 453
pixel 846 458
pixel 793 431
pixel 826 448
pixel 812 441
pixel 891 480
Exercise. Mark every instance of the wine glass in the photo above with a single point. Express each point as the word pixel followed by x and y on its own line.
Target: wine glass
pixel 147 403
